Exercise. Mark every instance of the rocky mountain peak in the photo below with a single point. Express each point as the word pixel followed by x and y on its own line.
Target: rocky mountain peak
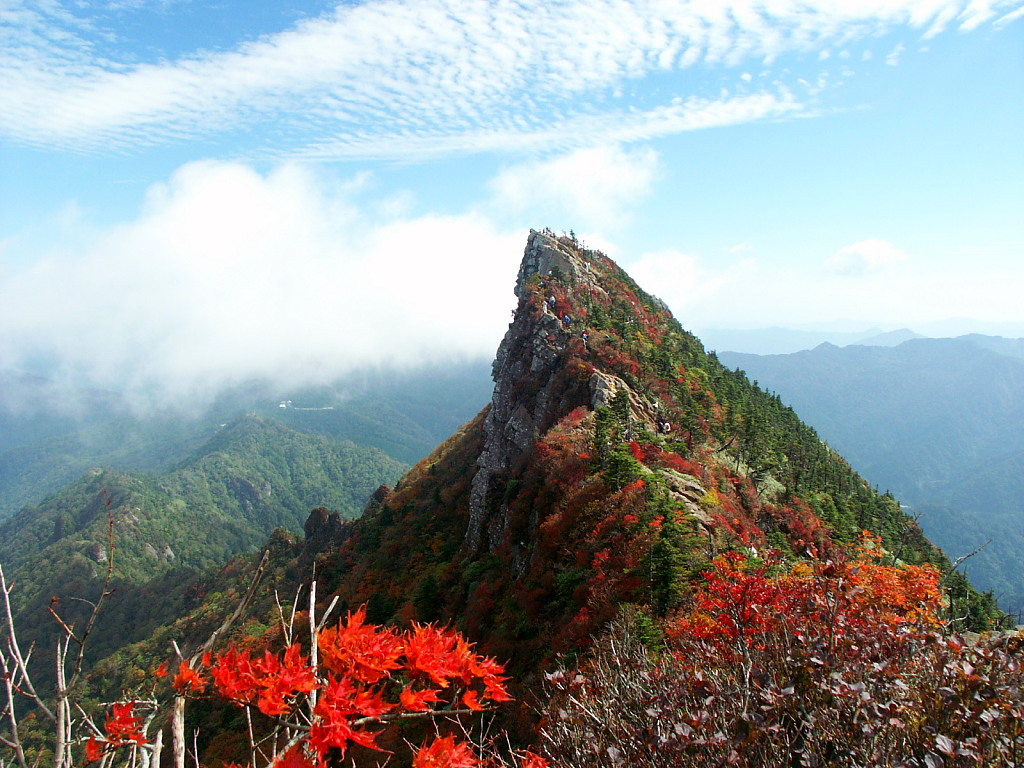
pixel 541 371
pixel 616 460
pixel 549 255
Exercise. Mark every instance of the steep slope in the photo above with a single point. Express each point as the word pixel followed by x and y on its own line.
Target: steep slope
pixel 939 422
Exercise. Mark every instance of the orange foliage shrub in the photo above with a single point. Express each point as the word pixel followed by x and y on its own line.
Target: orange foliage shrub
pixel 835 663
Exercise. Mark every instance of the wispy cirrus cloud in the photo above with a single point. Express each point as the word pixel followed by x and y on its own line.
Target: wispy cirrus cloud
pixel 394 78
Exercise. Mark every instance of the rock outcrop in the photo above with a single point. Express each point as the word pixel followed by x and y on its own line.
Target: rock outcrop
pixel 528 391
pixel 532 386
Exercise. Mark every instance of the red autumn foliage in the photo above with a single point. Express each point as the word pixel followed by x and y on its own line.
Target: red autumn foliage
pixel 741 603
pixel 364 652
pixel 369 677
pixel 269 682
pixel 123 725
pixel 187 678
pixel 122 728
pixel 445 752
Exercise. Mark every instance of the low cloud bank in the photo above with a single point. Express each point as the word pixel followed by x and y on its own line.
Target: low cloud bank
pixel 229 275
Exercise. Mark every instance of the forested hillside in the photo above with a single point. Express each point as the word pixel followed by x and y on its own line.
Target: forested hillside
pixel 939 423
pixel 51 434
pixel 252 477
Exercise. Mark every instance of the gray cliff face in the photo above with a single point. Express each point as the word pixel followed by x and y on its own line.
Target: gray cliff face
pixel 528 393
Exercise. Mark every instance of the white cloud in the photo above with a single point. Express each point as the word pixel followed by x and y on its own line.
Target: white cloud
pixel 976 14
pixel 1009 18
pixel 230 274
pixel 686 284
pixel 771 291
pixel 894 55
pixel 595 189
pixel 865 256
pixel 393 76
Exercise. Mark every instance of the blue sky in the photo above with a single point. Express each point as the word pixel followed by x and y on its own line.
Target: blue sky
pixel 192 193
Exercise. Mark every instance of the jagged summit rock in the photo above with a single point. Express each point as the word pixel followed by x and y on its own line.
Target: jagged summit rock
pixel 533 386
pixel 549 255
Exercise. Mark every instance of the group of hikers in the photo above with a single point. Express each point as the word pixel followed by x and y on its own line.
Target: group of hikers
pixel 566 318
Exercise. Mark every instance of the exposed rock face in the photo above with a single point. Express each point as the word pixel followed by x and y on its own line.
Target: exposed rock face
pixel 97 552
pixel 545 254
pixel 325 528
pixel 532 388
pixel 378 499
pixel 604 386
pixel 250 495
pixel 687 490
pixel 529 392
pixel 322 526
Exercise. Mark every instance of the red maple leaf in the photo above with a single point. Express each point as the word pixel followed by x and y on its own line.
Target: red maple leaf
pixel 93 750
pixel 418 701
pixel 188 679
pixel 445 752
pixel 123 726
pixel 364 651
pixel 529 760
pixel 293 758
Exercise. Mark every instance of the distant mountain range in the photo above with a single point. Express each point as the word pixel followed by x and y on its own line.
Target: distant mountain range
pixel 782 341
pixel 939 422
pixel 186 491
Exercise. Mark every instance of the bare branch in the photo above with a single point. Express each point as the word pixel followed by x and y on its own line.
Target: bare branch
pixel 239 610
pixel 15 742
pixel 20 662
pixel 961 560
pixel 107 592
pixel 327 613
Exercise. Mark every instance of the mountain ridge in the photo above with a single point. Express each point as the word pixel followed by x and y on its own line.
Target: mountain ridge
pixel 615 459
pixel 616 463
